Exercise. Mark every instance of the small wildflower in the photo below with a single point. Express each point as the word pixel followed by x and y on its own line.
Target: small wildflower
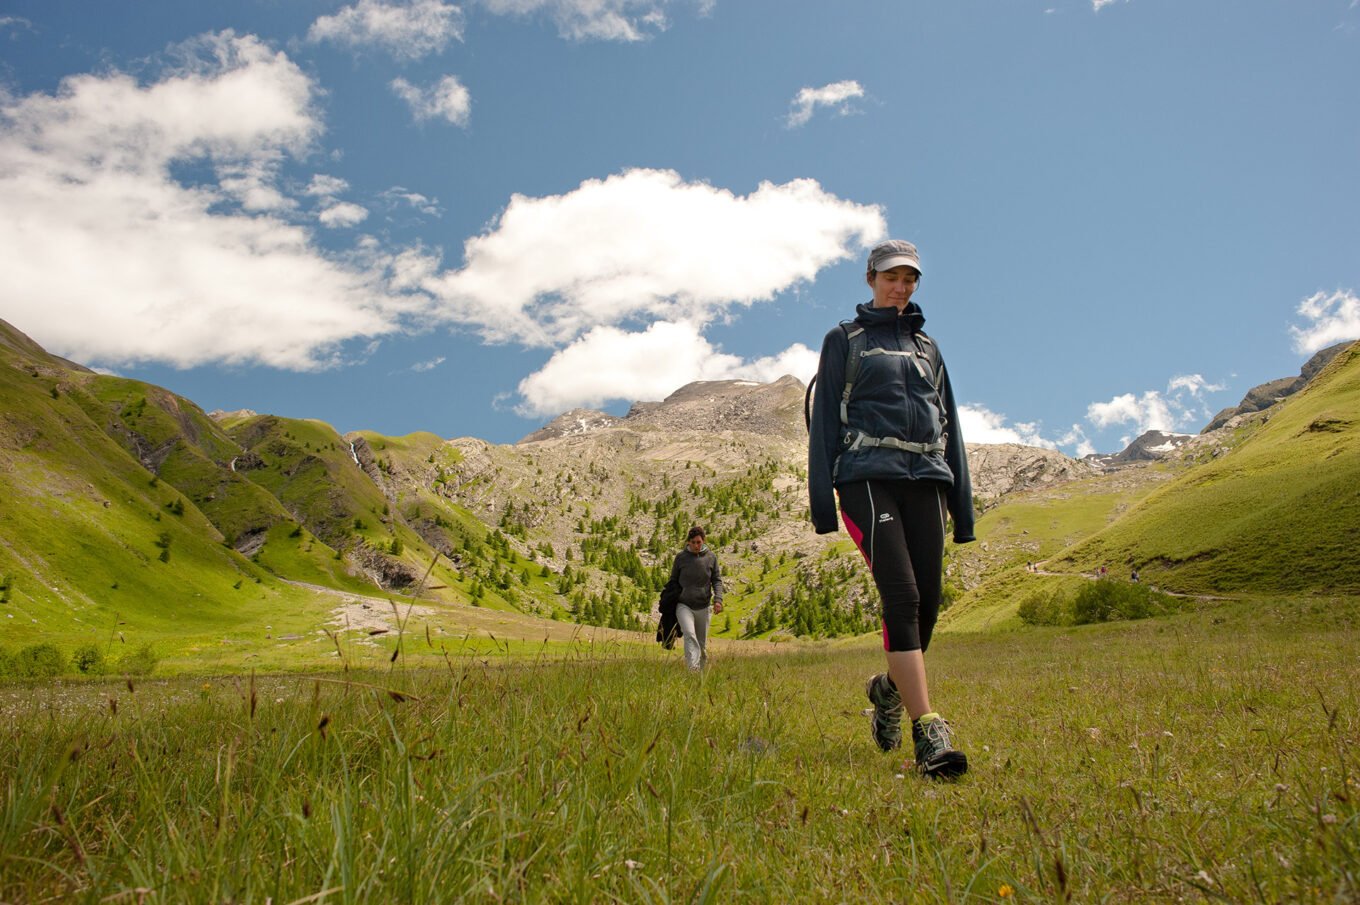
pixel 1006 891
pixel 1329 819
pixel 1093 732
pixel 631 864
pixel 1167 733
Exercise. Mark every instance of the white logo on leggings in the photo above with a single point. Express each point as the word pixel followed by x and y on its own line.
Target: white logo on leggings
pixel 884 517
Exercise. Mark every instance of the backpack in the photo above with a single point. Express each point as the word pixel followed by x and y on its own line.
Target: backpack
pixel 928 365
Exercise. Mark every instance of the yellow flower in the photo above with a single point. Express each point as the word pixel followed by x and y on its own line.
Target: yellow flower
pixel 1006 891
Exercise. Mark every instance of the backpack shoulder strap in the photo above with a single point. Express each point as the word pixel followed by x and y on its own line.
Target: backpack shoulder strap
pixel 854 335
pixel 932 352
pixel 854 355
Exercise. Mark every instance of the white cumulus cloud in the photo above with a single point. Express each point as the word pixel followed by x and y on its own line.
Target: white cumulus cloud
pixel 608 364
pixel 326 186
pixel 341 214
pixel 836 95
pixel 604 20
pixel 981 425
pixel 109 258
pixel 645 246
pixel 447 99
pixel 1331 317
pixel 1182 405
pixel 408 31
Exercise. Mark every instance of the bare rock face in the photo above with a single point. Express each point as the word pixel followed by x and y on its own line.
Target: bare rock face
pixel 1265 395
pixel 571 424
pixel 998 469
pixel 706 406
pixel 717 405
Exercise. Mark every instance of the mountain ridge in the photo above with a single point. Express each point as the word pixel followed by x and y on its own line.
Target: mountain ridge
pixel 577 522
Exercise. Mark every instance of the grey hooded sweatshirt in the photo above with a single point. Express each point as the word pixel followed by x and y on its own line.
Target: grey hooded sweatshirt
pixel 699 578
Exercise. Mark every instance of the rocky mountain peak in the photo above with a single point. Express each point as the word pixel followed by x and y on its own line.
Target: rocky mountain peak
pixel 718 405
pixel 1150 447
pixel 706 406
pixel 571 424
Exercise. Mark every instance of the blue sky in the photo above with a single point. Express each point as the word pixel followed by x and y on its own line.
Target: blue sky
pixel 468 217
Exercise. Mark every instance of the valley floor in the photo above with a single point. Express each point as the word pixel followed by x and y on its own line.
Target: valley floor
pixel 1205 756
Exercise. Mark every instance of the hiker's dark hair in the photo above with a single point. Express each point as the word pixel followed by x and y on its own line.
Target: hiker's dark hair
pixel 694 532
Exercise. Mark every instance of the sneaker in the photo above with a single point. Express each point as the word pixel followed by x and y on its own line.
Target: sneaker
pixel 936 756
pixel 887 718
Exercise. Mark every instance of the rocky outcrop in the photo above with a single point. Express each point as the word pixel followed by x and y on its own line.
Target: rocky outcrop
pixel 1002 468
pixel 774 409
pixel 706 406
pixel 1265 395
pixel 571 424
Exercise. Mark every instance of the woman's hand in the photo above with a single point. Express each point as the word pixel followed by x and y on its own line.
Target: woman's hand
pixel 717 607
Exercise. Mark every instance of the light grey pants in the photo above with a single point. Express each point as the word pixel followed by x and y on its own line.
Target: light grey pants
pixel 694 626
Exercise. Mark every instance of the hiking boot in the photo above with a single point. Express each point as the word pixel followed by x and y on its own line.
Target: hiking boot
pixel 936 756
pixel 887 718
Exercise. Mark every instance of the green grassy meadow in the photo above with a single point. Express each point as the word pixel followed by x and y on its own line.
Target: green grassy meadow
pixel 1207 756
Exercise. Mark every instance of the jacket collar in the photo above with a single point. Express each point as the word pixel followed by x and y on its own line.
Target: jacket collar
pixel 866 315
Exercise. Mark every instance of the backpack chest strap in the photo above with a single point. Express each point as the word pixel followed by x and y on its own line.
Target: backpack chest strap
pixel 853 439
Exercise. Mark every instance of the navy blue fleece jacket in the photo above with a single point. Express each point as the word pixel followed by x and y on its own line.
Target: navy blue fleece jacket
pixel 891 398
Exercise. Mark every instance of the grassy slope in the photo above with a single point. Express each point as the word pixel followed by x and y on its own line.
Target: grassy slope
pixel 1279 513
pixel 83 528
pixel 1031 527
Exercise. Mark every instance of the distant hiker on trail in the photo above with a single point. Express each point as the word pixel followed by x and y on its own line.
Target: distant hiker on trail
pixel 884 437
pixel 696 571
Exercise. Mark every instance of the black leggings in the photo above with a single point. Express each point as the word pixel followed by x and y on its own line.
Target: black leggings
pixel 899 527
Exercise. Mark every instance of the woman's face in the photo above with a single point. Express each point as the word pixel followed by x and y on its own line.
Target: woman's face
pixel 695 543
pixel 893 288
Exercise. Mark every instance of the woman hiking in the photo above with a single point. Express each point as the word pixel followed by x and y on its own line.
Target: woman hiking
pixel 696 571
pixel 884 439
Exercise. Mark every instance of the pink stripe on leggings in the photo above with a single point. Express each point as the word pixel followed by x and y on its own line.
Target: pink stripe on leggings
pixel 857 536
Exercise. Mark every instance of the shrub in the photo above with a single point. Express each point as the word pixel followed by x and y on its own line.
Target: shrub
pixel 950 591
pixel 1107 599
pixel 1053 607
pixel 138 662
pixel 89 659
pixel 39 661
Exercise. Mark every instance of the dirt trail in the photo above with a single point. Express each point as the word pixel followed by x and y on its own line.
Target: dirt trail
pixel 364 613
pixel 1038 569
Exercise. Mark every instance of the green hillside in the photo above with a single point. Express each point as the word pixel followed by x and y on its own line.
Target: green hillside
pixel 96 548
pixel 1278 513
pixel 1275 511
